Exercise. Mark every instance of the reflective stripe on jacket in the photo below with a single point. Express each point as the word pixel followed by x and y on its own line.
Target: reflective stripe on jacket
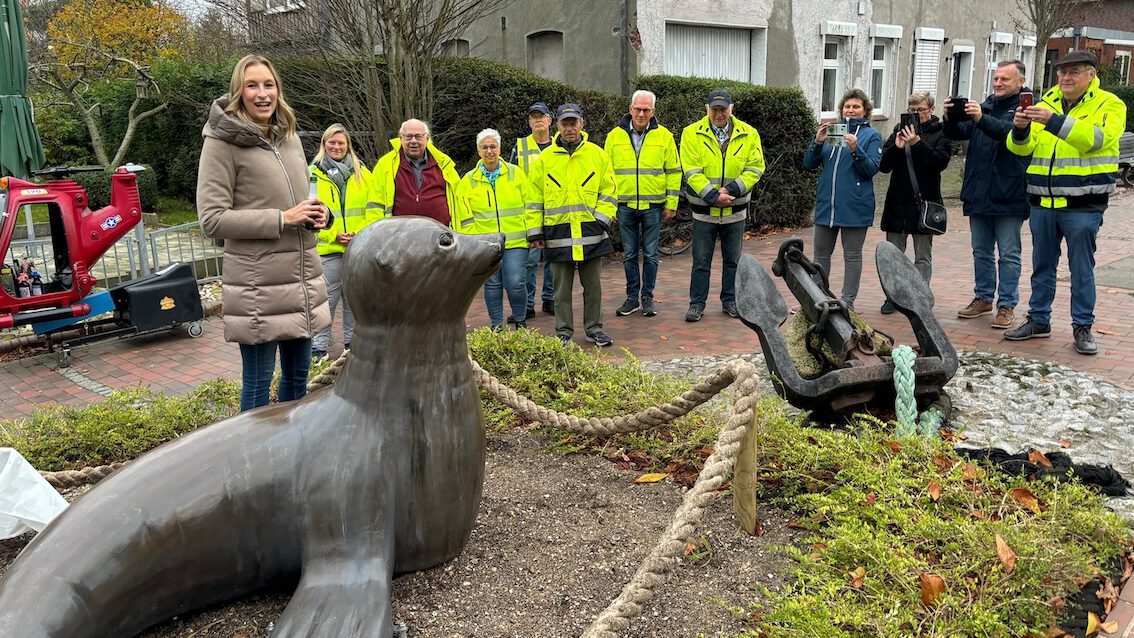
pixel 483 209
pixel 352 213
pixel 707 168
pixel 387 166
pixel 576 197
pixel 1075 156
pixel 527 150
pixel 647 178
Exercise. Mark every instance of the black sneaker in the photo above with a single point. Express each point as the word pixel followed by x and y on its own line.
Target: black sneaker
pixel 549 306
pixel 530 314
pixel 628 307
pixel 888 307
pixel 520 325
pixel 1084 341
pixel 731 310
pixel 648 307
pixel 694 313
pixel 1029 330
pixel 599 338
pixel 564 340
pixel 346 346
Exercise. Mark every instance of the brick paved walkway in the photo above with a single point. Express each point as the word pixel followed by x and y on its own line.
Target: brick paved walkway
pixel 174 363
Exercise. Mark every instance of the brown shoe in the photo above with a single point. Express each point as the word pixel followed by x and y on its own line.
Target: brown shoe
pixel 1003 318
pixel 976 308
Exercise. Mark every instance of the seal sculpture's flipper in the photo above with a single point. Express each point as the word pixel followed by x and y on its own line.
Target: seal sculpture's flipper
pixel 378 475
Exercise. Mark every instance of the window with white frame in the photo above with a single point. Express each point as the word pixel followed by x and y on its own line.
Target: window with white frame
pixel 280 6
pixel 926 58
pixel 834 48
pixel 883 57
pixel 1122 66
pixel 999 46
pixel 1026 53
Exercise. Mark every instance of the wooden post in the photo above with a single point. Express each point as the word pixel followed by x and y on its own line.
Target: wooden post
pixel 744 482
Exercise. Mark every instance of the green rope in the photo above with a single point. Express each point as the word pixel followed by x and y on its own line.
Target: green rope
pixel 905 403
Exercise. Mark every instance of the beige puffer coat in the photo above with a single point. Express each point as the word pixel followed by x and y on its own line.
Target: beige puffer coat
pixel 273 287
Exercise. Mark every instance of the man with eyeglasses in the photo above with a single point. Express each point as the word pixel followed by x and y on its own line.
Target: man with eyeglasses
pixel 994 194
pixel 1072 136
pixel 648 174
pixel 415 178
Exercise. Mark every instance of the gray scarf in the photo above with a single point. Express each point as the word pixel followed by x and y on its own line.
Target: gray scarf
pixel 338 172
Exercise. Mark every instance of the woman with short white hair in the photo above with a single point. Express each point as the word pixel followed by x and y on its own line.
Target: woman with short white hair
pixel 491 199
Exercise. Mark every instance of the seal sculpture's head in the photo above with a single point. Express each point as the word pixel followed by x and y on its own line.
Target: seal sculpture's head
pixel 402 263
pixel 337 492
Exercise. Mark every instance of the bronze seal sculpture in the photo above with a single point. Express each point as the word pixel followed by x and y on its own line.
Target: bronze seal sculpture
pixel 377 475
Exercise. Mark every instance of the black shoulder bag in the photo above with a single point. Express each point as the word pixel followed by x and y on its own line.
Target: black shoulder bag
pixel 931 216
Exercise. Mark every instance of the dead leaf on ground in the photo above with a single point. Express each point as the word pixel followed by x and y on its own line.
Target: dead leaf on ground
pixel 1064 443
pixel 1039 458
pixel 1104 331
pixel 653 477
pixel 1108 594
pixel 870 499
pixel 934 490
pixel 1092 623
pixel 970 473
pixel 943 464
pixel 1110 626
pixel 1024 496
pixel 1057 604
pixel 857 577
pixel 894 446
pixel 663 337
pixel 932 586
pixel 951 436
pixel 1005 554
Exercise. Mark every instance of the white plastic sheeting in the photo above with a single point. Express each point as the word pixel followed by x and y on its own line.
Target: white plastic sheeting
pixel 27 500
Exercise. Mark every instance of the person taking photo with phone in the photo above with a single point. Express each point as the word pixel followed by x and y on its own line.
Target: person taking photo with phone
pixel 1072 137
pixel 917 143
pixel 993 193
pixel 844 201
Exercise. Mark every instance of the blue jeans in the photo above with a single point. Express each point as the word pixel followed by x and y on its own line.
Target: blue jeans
pixel 509 278
pixel 260 363
pixel 704 243
pixel 991 233
pixel 548 292
pixel 1049 228
pixel 640 231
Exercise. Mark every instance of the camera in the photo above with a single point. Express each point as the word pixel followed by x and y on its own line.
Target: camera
pixel 835 133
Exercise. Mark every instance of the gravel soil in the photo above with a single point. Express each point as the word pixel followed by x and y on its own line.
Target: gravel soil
pixel 556 539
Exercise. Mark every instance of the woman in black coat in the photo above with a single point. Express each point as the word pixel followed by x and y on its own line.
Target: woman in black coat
pixel 929 150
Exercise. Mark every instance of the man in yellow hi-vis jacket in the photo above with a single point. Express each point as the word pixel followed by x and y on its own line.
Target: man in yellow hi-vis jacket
pixel 1072 136
pixel 722 159
pixel 572 187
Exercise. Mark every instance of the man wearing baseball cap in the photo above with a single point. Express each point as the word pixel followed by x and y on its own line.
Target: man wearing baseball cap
pixel 572 187
pixel 524 154
pixel 1072 136
pixel 722 159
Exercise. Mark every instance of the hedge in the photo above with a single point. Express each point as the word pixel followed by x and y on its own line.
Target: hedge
pixel 1126 94
pixel 97 185
pixel 472 94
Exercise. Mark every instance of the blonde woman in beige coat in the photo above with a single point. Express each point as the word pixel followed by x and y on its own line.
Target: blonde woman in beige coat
pixel 251 192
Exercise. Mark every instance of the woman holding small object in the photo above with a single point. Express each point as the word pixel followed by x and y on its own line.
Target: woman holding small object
pixel 251 185
pixel 918 142
pixel 844 204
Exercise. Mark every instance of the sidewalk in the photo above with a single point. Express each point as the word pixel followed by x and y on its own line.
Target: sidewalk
pixel 173 363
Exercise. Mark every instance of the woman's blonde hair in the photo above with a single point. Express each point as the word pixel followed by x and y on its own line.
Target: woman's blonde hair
pixel 331 131
pixel 283 119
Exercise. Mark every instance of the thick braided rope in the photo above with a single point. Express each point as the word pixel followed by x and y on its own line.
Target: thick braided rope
pixel 329 374
pixel 651 573
pixel 905 405
pixel 68 479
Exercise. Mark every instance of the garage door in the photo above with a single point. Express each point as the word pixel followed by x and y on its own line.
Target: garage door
pixel 708 52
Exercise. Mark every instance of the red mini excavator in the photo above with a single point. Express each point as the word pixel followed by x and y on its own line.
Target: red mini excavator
pixel 53 295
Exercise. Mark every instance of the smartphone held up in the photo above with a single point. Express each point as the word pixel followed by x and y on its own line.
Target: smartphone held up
pixel 1027 100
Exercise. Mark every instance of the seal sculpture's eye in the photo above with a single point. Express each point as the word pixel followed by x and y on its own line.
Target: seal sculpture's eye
pixel 446 240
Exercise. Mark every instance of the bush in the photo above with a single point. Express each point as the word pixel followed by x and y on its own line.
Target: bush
pixel 1126 94
pixel 97 185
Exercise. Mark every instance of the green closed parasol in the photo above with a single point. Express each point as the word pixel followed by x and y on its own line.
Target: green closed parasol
pixel 20 149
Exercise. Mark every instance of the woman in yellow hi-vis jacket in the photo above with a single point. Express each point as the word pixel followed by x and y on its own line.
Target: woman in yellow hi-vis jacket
pixel 347 188
pixel 491 199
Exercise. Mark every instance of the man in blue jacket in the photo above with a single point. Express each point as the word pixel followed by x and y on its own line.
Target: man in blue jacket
pixel 994 194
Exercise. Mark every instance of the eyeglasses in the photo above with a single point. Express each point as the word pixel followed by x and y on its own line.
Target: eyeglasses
pixel 921 109
pixel 1074 73
pixel 640 110
pixel 413 136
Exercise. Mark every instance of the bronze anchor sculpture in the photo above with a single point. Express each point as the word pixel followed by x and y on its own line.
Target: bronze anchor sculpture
pixel 858 376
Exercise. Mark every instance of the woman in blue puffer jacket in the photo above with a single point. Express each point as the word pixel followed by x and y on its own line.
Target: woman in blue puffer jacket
pixel 844 202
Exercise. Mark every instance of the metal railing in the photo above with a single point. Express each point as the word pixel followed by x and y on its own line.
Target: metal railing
pixel 135 255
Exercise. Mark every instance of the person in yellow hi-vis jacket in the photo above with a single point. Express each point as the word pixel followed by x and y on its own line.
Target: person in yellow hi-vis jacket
pixel 491 199
pixel 1072 136
pixel 347 188
pixel 415 177
pixel 722 159
pixel 573 190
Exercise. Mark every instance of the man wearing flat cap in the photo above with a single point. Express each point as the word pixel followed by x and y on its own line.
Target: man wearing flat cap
pixel 722 159
pixel 572 187
pixel 1072 135
pixel 524 154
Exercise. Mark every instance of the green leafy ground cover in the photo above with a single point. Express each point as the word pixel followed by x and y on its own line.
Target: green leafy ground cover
pixel 900 537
